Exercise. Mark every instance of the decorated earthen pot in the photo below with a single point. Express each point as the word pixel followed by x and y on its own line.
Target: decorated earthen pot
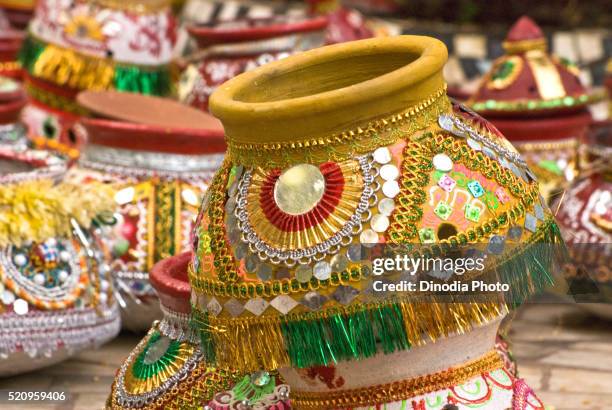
pixel 91 45
pixel 158 156
pixel 340 157
pixel 233 47
pixel 56 292
pixel 538 102
pixel 585 216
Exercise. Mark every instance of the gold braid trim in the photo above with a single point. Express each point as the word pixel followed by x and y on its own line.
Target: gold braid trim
pixel 38 210
pixel 344 145
pixel 517 47
pixel 56 101
pixel 399 390
pixel 569 144
pixel 133 6
pixel 8 66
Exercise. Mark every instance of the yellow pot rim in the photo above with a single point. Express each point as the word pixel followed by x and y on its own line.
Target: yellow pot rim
pixel 329 111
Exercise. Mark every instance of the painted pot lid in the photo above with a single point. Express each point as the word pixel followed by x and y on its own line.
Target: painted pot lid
pixel 527 80
pixel 169 278
pixel 253 29
pixel 134 121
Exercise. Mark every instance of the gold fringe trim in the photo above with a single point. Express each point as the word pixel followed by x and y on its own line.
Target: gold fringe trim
pixel 399 390
pixel 253 343
pixel 38 210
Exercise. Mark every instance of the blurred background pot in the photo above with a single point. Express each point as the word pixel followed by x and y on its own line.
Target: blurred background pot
pixel 158 156
pixel 232 47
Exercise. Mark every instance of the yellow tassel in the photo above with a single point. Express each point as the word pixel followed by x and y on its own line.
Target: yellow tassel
pixel 68 68
pixel 38 210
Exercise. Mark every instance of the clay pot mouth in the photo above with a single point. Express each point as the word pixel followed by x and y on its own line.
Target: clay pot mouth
pixel 329 87
pixel 254 29
pixel 170 280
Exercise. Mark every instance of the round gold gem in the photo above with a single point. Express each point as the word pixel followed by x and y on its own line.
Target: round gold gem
pixel 299 189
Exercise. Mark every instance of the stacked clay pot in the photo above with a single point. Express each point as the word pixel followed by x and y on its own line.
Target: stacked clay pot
pixel 91 45
pixel 158 156
pixel 283 276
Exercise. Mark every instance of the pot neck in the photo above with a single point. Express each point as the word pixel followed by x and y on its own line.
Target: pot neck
pixel 331 99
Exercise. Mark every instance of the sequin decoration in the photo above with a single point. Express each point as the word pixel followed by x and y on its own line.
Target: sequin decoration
pixel 427 235
pixel 476 189
pixel 443 210
pixel 472 213
pixel 447 183
pixel 442 162
pixel 341 208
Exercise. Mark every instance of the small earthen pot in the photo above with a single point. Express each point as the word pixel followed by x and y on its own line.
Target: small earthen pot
pixel 158 156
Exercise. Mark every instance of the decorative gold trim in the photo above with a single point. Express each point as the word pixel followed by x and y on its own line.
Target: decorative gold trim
pixel 133 6
pixel 502 83
pixel 518 47
pixel 338 147
pixel 571 143
pixel 6 66
pixel 52 100
pixel 399 390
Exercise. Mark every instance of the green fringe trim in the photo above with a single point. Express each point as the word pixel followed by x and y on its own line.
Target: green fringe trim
pixel 65 67
pixel 144 371
pixel 339 336
pixel 362 330
pixel 532 271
